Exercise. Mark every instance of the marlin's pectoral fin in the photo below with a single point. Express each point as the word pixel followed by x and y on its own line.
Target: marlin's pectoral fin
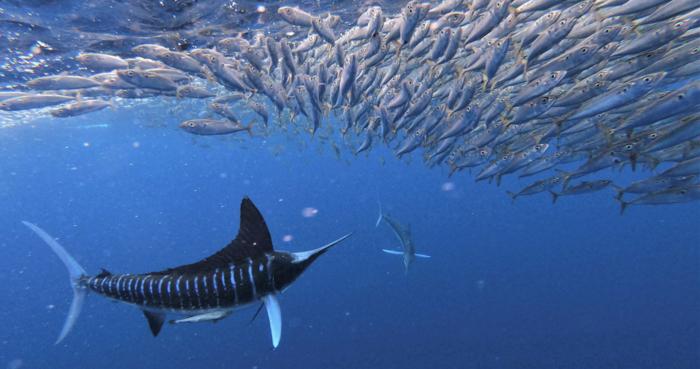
pixel 275 316
pixel 424 256
pixel 155 321
pixel 206 317
pixel 393 252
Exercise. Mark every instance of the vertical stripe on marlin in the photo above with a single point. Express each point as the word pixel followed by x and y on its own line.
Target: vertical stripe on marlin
pixel 102 286
pixel 150 291
pixel 108 290
pixel 130 288
pixel 253 288
pixel 177 291
pixel 169 292
pixel 245 293
pixel 232 268
pixel 118 287
pixel 205 292
pixel 146 299
pixel 196 291
pixel 138 285
pixel 161 293
pixel 187 293
pixel 215 286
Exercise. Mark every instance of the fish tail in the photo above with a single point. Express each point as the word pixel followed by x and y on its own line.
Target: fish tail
pixel 76 273
pixel 555 196
pixel 512 195
pixel 623 206
pixel 249 128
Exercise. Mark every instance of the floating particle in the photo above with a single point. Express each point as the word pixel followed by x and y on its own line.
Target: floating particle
pixel 309 212
pixel 287 238
pixel 448 186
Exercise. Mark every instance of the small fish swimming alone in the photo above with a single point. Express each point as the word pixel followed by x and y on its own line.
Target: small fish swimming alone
pixel 403 234
pixel 248 270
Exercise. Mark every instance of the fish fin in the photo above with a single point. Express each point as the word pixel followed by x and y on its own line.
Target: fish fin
pixel 213 317
pixel 274 315
pixel 257 312
pixel 393 252
pixel 555 196
pixel 512 195
pixel 249 127
pixel 381 215
pixel 423 256
pixel 155 321
pixel 253 240
pixel 75 271
pixel 623 206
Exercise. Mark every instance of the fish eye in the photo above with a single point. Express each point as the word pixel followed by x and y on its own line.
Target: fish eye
pixel 584 49
pixel 190 124
pixel 628 147
pixel 680 97
pixel 130 73
pixel 653 135
pixel 553 76
pixel 647 79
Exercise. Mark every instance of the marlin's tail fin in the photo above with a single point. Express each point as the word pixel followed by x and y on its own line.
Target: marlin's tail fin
pixel 75 272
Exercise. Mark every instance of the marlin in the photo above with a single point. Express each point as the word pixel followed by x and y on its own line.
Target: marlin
pixel 404 236
pixel 245 272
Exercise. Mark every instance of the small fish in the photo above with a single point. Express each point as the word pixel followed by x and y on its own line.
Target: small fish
pixel 295 16
pixel 677 195
pixel 146 79
pixel 581 188
pixel 28 102
pixel 61 83
pixel 79 108
pixel 101 62
pixel 212 127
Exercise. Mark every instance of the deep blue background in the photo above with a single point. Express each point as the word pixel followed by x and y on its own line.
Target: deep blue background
pixel 529 285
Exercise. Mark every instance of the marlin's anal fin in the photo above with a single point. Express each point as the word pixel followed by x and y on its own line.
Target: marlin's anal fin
pixel 213 317
pixel 393 252
pixel 274 314
pixel 155 321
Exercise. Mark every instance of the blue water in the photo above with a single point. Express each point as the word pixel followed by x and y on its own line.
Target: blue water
pixel 524 285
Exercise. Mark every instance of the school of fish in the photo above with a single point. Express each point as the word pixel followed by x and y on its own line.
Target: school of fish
pixel 495 87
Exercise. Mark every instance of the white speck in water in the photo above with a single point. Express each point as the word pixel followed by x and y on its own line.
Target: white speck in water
pixel 309 212
pixel 261 9
pixel 136 144
pixel 448 186
pixel 287 238
pixel 86 144
pixel 50 306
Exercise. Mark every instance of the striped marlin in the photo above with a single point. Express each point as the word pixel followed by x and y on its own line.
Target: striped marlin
pixel 248 270
pixel 403 234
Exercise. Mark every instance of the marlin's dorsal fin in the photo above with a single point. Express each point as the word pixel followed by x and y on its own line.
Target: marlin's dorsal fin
pixel 104 273
pixel 253 240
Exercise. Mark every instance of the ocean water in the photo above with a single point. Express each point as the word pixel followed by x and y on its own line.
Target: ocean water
pixel 524 284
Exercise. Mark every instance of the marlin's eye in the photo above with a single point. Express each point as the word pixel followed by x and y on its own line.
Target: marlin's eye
pixel 653 135
pixel 628 147
pixel 647 79
pixel 191 124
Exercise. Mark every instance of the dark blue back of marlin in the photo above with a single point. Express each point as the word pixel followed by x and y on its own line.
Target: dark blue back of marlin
pixel 246 271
